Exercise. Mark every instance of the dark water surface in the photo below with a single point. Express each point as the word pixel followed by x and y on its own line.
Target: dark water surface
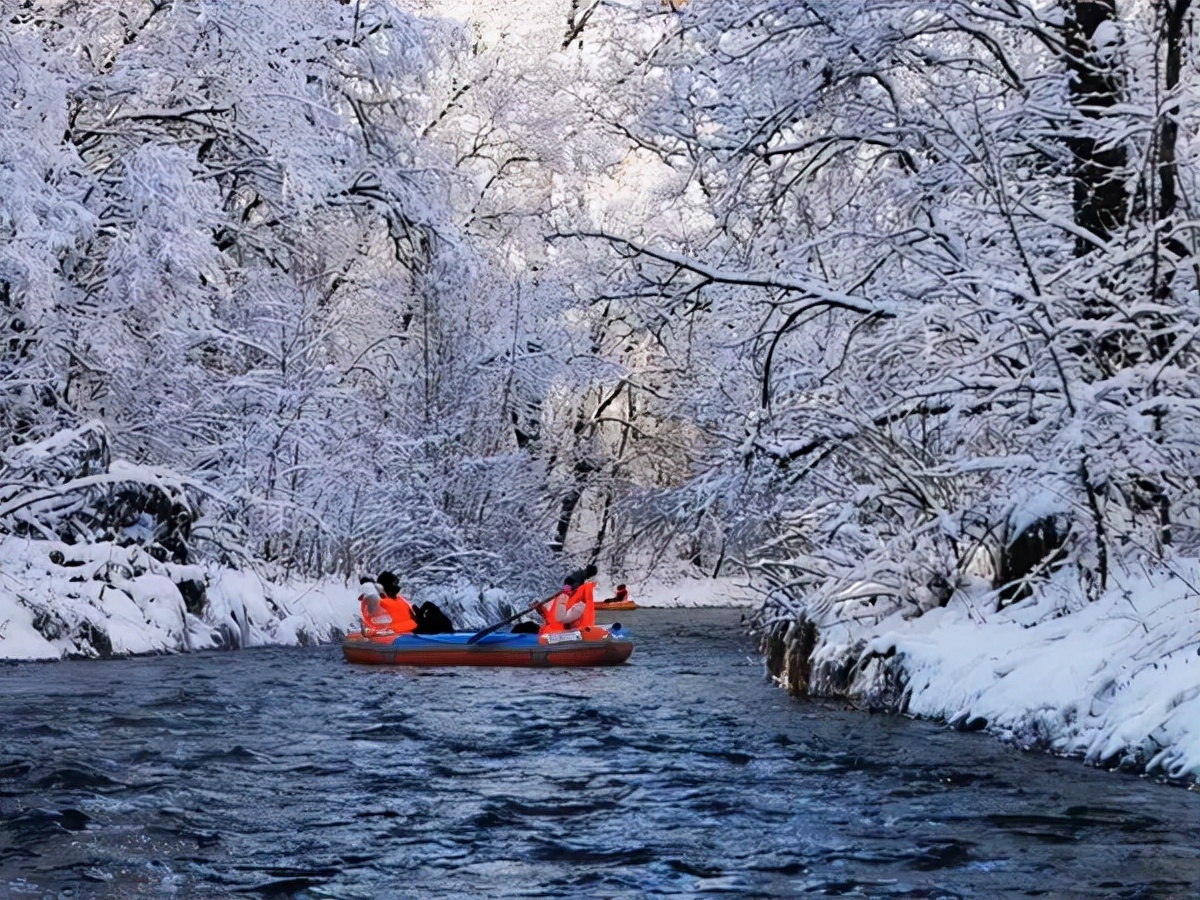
pixel 290 773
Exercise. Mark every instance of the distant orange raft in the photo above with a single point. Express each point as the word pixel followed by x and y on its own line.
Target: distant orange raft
pixel 499 649
pixel 615 604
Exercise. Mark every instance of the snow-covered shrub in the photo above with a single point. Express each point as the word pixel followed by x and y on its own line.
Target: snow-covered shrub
pixel 68 488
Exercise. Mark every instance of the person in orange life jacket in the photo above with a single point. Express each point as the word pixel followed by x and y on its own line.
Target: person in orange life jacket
pixel 571 583
pixel 577 611
pixel 428 617
pixel 377 618
pixel 621 596
pixel 574 606
pixel 394 604
pixel 548 610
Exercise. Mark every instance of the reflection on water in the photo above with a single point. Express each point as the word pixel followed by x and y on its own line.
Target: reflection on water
pixel 289 773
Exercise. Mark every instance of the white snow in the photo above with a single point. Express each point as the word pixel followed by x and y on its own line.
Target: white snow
pixel 133 601
pixel 682 591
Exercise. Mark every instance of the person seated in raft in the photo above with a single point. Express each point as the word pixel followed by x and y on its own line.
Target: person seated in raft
pixel 572 607
pixel 377 618
pixel 427 617
pixel 621 595
pixel 398 609
pixel 571 583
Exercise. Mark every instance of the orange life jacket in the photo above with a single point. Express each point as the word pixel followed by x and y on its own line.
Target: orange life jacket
pixel 373 622
pixel 585 596
pixel 564 601
pixel 549 612
pixel 401 613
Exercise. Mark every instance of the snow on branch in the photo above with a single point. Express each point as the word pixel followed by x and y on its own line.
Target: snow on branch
pixel 821 295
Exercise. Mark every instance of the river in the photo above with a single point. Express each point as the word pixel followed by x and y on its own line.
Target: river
pixel 286 772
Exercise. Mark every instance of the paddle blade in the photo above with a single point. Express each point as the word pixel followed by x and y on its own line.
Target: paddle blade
pixel 479 635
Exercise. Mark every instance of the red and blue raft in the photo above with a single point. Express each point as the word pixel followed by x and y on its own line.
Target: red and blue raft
pixel 498 649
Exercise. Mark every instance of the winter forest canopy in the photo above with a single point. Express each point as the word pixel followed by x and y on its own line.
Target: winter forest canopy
pixel 885 307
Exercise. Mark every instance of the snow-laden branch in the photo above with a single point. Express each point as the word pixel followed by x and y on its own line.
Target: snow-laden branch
pixel 819 293
pixel 119 473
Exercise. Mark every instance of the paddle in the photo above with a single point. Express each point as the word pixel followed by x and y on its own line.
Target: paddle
pixel 482 634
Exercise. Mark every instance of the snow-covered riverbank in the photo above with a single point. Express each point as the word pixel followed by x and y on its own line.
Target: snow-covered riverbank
pixel 96 600
pixel 59 600
pixel 1115 681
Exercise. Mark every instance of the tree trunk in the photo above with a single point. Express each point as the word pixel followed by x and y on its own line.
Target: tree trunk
pixel 1099 191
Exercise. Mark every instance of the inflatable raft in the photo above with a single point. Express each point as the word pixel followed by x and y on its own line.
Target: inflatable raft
pixel 615 604
pixel 499 649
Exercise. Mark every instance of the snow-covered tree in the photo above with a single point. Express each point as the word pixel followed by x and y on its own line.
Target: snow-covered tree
pixel 949 289
pixel 234 248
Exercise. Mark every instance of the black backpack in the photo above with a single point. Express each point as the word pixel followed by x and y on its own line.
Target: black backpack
pixel 431 620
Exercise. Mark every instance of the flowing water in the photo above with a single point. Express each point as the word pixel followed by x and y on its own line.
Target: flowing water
pixel 290 773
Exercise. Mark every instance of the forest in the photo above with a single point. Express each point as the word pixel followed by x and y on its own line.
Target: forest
pixel 885 309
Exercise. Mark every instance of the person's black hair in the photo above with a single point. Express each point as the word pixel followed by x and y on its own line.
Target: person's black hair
pixel 590 571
